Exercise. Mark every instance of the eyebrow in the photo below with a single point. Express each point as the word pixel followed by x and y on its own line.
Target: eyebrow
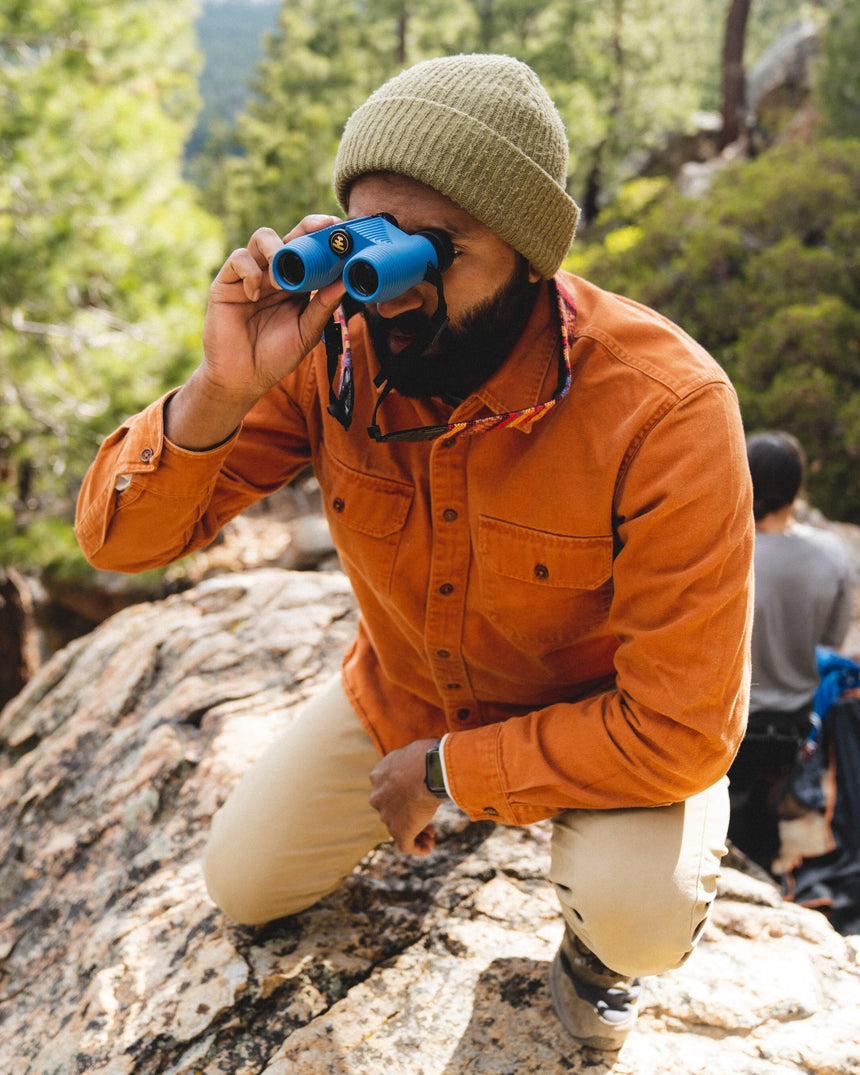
pixel 456 232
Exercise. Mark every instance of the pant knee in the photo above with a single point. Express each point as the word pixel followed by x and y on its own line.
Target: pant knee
pixel 636 885
pixel 636 934
pixel 246 891
pixel 232 895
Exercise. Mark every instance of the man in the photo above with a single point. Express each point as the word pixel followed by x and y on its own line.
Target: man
pixel 802 601
pixel 552 563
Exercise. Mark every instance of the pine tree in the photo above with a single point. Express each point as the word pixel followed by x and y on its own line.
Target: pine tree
pixel 622 74
pixel 837 90
pixel 325 59
pixel 104 254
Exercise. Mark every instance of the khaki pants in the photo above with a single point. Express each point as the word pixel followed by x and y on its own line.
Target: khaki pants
pixel 634 884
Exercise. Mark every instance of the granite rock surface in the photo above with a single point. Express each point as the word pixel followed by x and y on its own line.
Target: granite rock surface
pixel 113 960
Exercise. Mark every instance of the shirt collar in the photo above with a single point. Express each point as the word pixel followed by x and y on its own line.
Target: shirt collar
pixel 528 378
pixel 529 375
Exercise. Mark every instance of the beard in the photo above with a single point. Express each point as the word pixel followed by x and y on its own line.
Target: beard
pixel 466 353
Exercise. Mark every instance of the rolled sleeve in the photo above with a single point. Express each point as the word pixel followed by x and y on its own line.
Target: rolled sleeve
pixel 147 494
pixel 477 751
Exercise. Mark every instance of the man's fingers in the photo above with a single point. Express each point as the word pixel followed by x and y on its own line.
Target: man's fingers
pixel 240 268
pixel 263 245
pixel 249 265
pixel 312 222
pixel 422 844
pixel 425 841
pixel 322 305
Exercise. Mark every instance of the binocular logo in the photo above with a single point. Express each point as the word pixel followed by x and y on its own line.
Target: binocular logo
pixel 377 260
pixel 340 242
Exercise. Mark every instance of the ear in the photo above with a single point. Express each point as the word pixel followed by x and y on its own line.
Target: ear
pixel 534 275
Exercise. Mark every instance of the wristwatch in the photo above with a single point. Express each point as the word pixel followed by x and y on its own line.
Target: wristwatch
pixel 434 776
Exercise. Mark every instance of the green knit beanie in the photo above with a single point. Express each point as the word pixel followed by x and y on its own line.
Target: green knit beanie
pixel 483 131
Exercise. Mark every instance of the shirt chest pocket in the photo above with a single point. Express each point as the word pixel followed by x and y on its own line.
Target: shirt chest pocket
pixel 366 515
pixel 540 587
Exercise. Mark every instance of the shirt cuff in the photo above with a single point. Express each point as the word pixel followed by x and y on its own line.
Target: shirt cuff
pixel 442 760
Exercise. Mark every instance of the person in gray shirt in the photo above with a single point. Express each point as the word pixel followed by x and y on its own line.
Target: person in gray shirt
pixel 802 600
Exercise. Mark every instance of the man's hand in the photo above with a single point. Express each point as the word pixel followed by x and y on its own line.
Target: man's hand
pixel 253 336
pixel 403 800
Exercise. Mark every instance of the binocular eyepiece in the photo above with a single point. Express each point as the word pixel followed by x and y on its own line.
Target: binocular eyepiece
pixel 377 260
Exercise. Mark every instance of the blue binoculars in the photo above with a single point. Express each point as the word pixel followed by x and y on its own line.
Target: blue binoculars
pixel 377 260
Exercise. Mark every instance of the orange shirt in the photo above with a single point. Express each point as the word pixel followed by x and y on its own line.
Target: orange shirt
pixel 569 599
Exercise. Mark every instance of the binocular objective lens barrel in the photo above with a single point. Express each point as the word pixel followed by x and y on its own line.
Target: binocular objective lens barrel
pixel 291 267
pixel 362 278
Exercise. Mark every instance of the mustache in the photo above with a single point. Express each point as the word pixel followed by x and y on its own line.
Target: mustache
pixel 410 323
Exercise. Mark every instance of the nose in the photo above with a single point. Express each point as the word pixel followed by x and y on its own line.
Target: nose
pixel 410 300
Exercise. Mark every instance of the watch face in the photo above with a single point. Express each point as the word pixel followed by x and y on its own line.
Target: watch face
pixel 434 776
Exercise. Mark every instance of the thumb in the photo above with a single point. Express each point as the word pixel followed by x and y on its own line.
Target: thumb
pixel 319 309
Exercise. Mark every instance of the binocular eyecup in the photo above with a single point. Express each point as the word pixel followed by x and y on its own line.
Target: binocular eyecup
pixel 376 259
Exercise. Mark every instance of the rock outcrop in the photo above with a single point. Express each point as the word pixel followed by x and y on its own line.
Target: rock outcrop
pixel 113 960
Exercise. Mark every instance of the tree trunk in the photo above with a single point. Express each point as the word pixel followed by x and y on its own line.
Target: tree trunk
pixel 734 77
pixel 402 23
pixel 486 19
pixel 13 671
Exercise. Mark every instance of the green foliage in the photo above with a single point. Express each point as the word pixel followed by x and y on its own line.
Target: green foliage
pixel 104 254
pixel 324 59
pixel 837 86
pixel 623 75
pixel 764 272
pixel 627 76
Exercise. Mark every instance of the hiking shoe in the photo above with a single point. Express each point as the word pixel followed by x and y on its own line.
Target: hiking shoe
pixel 595 1005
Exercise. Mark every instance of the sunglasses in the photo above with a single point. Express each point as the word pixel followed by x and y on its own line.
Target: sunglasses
pixel 342 400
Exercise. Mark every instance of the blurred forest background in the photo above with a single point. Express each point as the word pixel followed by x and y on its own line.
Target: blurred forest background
pixel 715 150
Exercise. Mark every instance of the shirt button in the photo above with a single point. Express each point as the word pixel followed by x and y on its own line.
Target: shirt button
pixel 449 515
pixel 449 442
pixel 443 653
pixel 541 571
pixel 446 588
pixel 338 504
pixel 146 455
pixel 491 811
pixel 462 714
pixel 452 686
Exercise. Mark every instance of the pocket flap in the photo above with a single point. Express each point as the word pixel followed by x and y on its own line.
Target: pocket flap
pixel 518 552
pixel 367 504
